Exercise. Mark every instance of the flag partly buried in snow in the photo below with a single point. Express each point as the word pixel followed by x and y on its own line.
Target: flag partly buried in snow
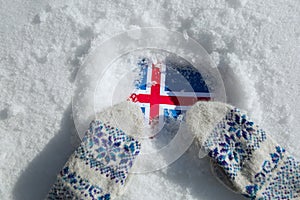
pixel 167 88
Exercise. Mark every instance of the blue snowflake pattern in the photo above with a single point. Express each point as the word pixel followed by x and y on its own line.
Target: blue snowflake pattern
pixel 239 125
pixel 233 141
pixel 108 150
pixel 231 148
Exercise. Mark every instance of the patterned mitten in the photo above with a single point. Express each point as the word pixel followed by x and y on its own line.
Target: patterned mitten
pixel 244 157
pixel 99 167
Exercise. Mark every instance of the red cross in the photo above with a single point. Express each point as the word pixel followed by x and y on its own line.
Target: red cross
pixel 155 98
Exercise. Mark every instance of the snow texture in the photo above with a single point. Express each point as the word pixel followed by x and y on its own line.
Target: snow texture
pixel 255 44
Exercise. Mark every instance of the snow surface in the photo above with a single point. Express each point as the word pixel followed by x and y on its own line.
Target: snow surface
pixel 255 44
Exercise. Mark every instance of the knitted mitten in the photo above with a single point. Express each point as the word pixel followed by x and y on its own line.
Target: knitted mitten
pixel 99 167
pixel 244 157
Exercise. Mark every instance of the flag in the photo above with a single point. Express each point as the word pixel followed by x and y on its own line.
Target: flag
pixel 165 89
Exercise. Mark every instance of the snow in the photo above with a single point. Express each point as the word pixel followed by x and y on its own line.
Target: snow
pixel 255 44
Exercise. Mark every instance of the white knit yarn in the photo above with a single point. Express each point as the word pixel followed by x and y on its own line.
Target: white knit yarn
pixel 203 117
pixel 127 116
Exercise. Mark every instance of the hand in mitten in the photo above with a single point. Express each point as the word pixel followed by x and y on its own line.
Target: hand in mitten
pixel 99 167
pixel 245 158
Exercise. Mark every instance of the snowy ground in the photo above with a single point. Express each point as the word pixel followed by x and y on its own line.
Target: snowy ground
pixel 256 45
